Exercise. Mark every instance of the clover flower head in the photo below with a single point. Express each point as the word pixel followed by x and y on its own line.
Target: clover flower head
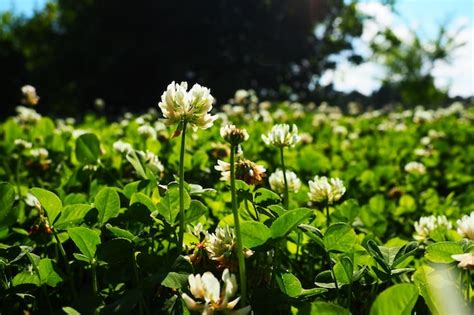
pixel 245 170
pixel 322 189
pixel 197 230
pixel 339 130
pixel 234 135
pixel 23 144
pixel 147 131
pixel 153 162
pixel 422 152
pixel 193 106
pixel 40 153
pixel 29 95
pixel 277 182
pixel 466 261
pixel 122 147
pixel 426 225
pixel 206 289
pixel 416 168
pixel 240 96
pixel 282 135
pixel 466 226
pixel 221 243
pixel 27 115
pixel 421 116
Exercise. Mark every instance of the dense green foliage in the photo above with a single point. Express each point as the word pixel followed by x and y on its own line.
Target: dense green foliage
pixel 86 227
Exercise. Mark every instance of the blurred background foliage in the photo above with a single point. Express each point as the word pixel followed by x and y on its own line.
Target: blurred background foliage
pixel 74 52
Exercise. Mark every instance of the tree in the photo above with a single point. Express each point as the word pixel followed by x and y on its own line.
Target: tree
pixel 410 63
pixel 76 51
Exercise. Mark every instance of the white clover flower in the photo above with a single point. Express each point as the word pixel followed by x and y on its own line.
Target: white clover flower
pixel 40 153
pixel 224 168
pixel 27 115
pixel 466 226
pixel 422 115
pixel 124 122
pixel 152 161
pixel 340 130
pixel 422 152
pixel 434 134
pixel 245 170
pixel 466 261
pixel 31 200
pixel 266 105
pixel 159 126
pixel 277 182
pixel 282 135
pixel 99 103
pixel 147 131
pixel 240 96
pixel 327 190
pixel 425 140
pixel 193 106
pixel 426 225
pixel 280 115
pixel 29 95
pixel 221 243
pixel 415 168
pixel 234 135
pixel 23 144
pixel 122 147
pixel 400 127
pixel 197 230
pixel 207 290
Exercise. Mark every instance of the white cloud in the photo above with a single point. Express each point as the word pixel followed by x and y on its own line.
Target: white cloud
pixel 366 78
pixel 458 75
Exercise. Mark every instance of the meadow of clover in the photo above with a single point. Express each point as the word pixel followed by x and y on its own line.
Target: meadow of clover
pixel 250 207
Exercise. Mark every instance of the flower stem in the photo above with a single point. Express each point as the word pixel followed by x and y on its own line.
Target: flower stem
pixel 66 262
pixel 468 289
pixel 333 275
pixel 240 251
pixel 181 188
pixel 43 288
pixel 94 278
pixel 17 178
pixel 286 195
pixel 328 218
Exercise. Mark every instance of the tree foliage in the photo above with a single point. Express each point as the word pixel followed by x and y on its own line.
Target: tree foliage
pixel 76 51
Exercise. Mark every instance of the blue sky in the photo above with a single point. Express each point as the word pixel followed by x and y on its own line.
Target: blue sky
pixel 423 15
pixel 22 6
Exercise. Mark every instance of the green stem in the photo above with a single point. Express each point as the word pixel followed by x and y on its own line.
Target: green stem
pixel 328 218
pixel 136 278
pixel 94 278
pixel 43 289
pixel 17 178
pixel 468 289
pixel 240 251
pixel 66 262
pixel 286 199
pixel 181 188
pixel 333 275
pixel 298 246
